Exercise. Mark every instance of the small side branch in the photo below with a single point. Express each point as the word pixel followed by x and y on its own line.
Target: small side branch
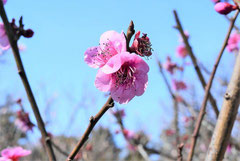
pixel 194 60
pixel 92 122
pixel 207 91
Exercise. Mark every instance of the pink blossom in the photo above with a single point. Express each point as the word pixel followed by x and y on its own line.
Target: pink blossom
pixel 14 154
pixel 124 75
pixel 170 66
pixel 4 1
pixel 178 85
pixel 128 134
pixel 141 45
pixel 4 43
pixel 23 121
pixel 233 42
pixel 179 98
pixel 186 34
pixel 170 132
pixel 229 148
pixel 182 52
pixel 224 7
pixel 111 43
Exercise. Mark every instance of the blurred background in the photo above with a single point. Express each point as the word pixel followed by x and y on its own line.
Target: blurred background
pixel 63 84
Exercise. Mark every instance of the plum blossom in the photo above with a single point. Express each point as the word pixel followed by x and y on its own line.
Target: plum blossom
pixel 169 132
pixel 178 85
pixel 4 1
pixel 128 134
pixel 224 7
pixel 181 51
pixel 23 121
pixel 141 45
pixel 4 43
pixel 111 43
pixel 124 76
pixel 14 154
pixel 233 42
pixel 170 66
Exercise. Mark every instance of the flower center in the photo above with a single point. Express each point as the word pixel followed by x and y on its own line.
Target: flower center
pixel 125 75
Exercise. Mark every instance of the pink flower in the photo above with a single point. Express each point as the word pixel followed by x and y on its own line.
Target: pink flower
pixel 128 134
pixel 186 34
pixel 178 85
pixel 182 52
pixel 224 7
pixel 229 148
pixel 111 43
pixel 14 154
pixel 233 42
pixel 179 98
pixel 170 132
pixel 124 75
pixel 141 45
pixel 4 43
pixel 170 66
pixel 4 1
pixel 23 121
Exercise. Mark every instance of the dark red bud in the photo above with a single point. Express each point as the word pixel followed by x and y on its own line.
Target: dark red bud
pixel 28 33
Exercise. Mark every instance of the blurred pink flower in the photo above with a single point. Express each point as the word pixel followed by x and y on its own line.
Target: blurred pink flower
pixel 14 154
pixel 169 132
pixel 124 75
pixel 182 52
pixel 4 1
pixel 128 134
pixel 179 98
pixel 178 85
pixel 224 7
pixel 229 148
pixel 23 121
pixel 141 45
pixel 111 43
pixel 4 43
pixel 170 66
pixel 233 42
pixel 186 34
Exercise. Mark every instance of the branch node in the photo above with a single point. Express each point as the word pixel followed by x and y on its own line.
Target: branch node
pixel 227 96
pixel 91 119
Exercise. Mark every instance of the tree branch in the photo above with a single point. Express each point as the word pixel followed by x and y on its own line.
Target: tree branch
pixel 92 122
pixel 13 42
pixel 194 60
pixel 207 91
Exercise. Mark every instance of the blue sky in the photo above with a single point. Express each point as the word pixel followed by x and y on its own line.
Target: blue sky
pixel 65 29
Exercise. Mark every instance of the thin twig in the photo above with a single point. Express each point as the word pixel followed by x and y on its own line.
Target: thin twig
pixel 194 60
pixel 207 91
pixel 59 149
pixel 13 42
pixel 145 148
pixel 192 111
pixel 92 122
pixel 180 148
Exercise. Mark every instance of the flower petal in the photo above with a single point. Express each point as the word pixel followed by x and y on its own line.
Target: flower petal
pixel 113 42
pixel 103 81
pixel 91 57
